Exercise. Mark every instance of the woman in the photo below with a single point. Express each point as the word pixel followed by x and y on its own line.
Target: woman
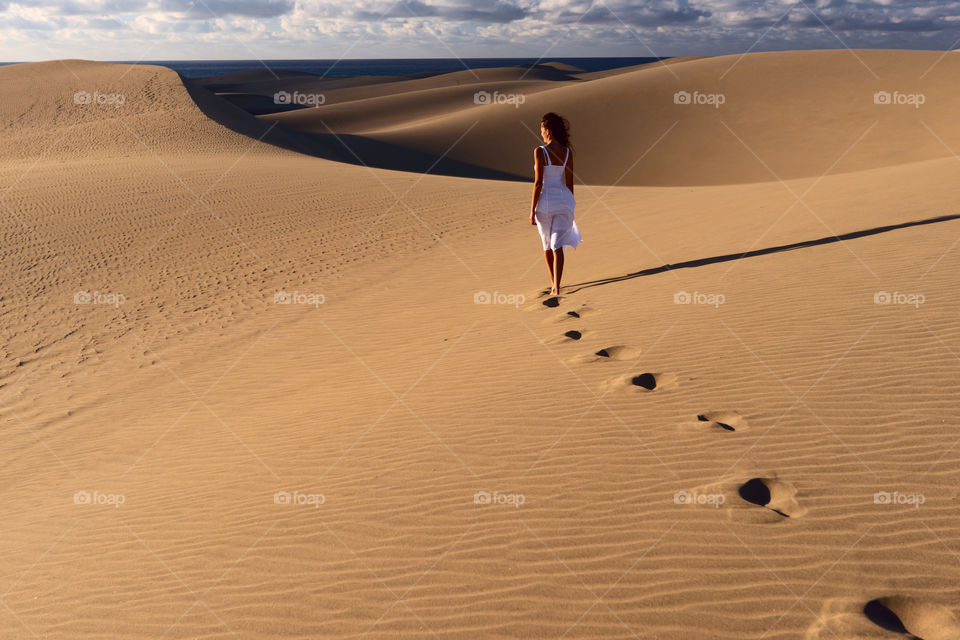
pixel 553 201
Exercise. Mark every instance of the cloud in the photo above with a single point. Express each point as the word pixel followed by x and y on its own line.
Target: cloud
pixel 430 28
pixel 208 8
pixel 650 14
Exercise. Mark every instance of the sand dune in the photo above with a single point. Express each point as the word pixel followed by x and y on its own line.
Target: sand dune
pixel 247 391
pixel 379 114
pixel 245 88
pixel 797 123
pixel 75 109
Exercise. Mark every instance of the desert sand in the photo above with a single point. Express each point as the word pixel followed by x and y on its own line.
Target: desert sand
pixel 264 377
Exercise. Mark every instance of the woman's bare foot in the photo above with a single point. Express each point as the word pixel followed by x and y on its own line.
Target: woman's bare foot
pixel 554 291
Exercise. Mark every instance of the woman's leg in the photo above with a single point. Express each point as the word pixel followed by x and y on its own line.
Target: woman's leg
pixel 557 268
pixel 548 254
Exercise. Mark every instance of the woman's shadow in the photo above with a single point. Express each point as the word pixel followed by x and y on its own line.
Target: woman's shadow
pixel 758 252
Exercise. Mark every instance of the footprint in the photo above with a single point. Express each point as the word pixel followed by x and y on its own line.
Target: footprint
pixel 647 381
pixel 914 617
pixel 618 352
pixel 607 354
pixel 573 335
pixel 726 420
pixel 654 381
pixel 571 314
pixel 777 495
pixel 582 310
pixel 541 299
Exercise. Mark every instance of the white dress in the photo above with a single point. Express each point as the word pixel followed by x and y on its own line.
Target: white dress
pixel 555 207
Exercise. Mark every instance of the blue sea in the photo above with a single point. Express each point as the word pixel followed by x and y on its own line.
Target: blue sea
pixel 382 67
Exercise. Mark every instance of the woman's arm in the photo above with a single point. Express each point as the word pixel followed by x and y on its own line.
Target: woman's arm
pixel 537 184
pixel 568 174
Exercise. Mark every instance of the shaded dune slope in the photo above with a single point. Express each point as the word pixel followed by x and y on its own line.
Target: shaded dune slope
pixel 789 115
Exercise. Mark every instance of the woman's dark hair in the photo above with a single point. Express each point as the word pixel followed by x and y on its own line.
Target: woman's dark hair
pixel 558 127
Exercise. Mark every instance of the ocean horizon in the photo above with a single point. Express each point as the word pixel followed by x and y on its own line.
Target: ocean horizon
pixel 354 67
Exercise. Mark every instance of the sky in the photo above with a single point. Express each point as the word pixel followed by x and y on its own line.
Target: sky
pixel 330 29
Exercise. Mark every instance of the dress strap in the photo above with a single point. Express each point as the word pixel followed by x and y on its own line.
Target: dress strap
pixel 566 157
pixel 547 154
